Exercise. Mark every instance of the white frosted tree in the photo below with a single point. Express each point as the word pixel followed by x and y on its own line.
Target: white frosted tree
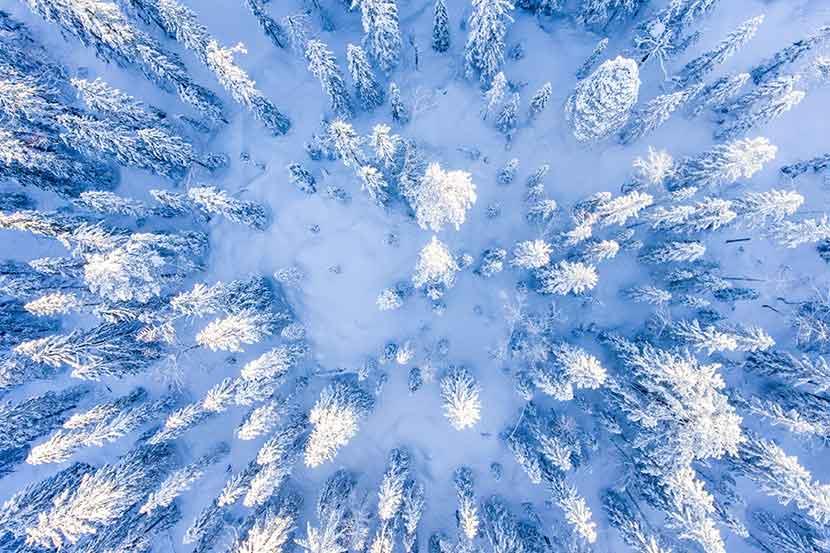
pixel 383 36
pixel 181 480
pixel 484 52
pixel 759 209
pixel 567 277
pixel 442 198
pixel 435 269
pixel 494 95
pixel 460 394
pixel 323 65
pixel 369 91
pixel 343 139
pixel 725 163
pixel 232 332
pixel 218 202
pixel 602 102
pixel 334 419
pixel 531 254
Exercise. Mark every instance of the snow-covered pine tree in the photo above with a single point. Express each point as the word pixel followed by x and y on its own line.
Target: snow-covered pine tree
pixel 28 420
pixel 101 24
pixel 484 51
pixel 270 529
pixel 724 164
pixel 588 65
pixel 460 394
pixel 494 95
pixel 383 37
pixel 540 100
pixel 508 117
pixel 182 479
pixel 602 102
pixel 694 71
pixel 302 178
pixel 715 95
pixel 656 112
pixel 440 27
pixel 760 209
pixel 400 112
pixel 334 419
pixel 767 112
pixel 602 13
pixel 566 277
pixel 369 91
pixel 706 215
pixel 345 142
pixel 771 68
pixel 273 30
pixel 100 499
pixel 323 65
pixel 213 201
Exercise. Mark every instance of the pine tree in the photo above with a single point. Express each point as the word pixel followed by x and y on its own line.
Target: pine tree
pixel 100 499
pixel 383 37
pixel 724 163
pixel 771 68
pixel 296 28
pixel 373 182
pixel 28 420
pixel 440 27
pixel 706 215
pixel 214 201
pixel 655 113
pixel 601 13
pixel 273 30
pixel 540 100
pixel 435 269
pixel 766 113
pixel 400 112
pixel 102 25
pixel 484 52
pixel 343 140
pixel 412 510
pixel 494 95
pixel 508 172
pixel 588 65
pixel 508 117
pixel 673 251
pixel 567 278
pixel 334 420
pixel 272 529
pixel 602 102
pixel 715 95
pixel 760 209
pixel 369 91
pixel 302 178
pixel 531 254
pixel 694 71
pixel 323 65
pixel 460 394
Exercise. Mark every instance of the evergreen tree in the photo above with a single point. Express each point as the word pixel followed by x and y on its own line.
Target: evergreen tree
pixel 494 95
pixel 440 27
pixel 816 164
pixel 601 13
pixel 28 420
pixel 343 140
pixel 101 25
pixel 508 118
pixel 334 418
pixel 272 529
pixel 715 95
pixel 766 113
pixel 460 394
pixel 100 499
pixel 602 102
pixel 694 71
pixel 302 178
pixel 275 33
pixel 655 113
pixel 567 278
pixel 706 215
pixel 588 65
pixel 296 30
pixel 214 201
pixel 442 197
pixel 724 163
pixel 383 37
pixel 508 172
pixel 368 89
pixel 435 269
pixel 771 68
pixel 400 112
pixel 323 65
pixel 484 52
pixel 540 100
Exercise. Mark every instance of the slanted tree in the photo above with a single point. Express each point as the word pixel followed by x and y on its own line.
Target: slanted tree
pixel 484 51
pixel 334 419
pixel 602 13
pixel 383 37
pixel 724 163
pixel 767 112
pixel 717 94
pixel 273 30
pixel 213 201
pixel 656 112
pixel 694 71
pixel 440 27
pixel 588 65
pixel 771 68
pixel 323 65
pixel 302 178
pixel 343 140
pixel 567 277
pixel 368 89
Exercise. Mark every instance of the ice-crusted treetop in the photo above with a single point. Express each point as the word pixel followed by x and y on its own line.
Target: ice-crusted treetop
pixel 602 102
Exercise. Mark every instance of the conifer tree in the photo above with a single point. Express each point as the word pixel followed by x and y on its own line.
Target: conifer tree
pixel 771 68
pixel 273 30
pixel 400 112
pixel 323 65
pixel 540 100
pixel 718 93
pixel 334 420
pixel 724 163
pixel 694 71
pixel 368 89
pixel 383 37
pixel 440 27
pixel 494 95
pixel 656 112
pixel 588 65
pixel 460 394
pixel 484 52
pixel 508 117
